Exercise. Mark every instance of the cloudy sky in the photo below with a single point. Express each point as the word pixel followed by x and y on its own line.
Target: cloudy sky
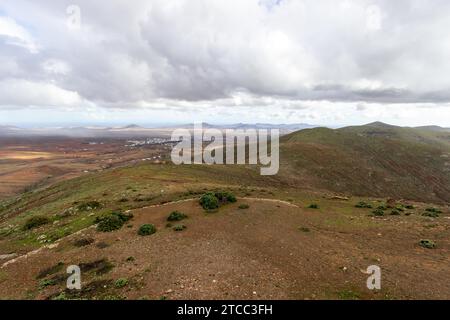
pixel 329 62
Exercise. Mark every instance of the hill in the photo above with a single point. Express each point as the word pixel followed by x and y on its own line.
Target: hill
pixel 375 159
pixel 298 235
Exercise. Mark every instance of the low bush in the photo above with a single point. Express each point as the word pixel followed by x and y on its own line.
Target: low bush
pixel 313 206
pixel 212 200
pixel 244 206
pixel 378 212
pixel 35 222
pixel 363 204
pixel 429 244
pixel 209 201
pixel 304 229
pixel 432 214
pixel 82 242
pixel 89 206
pixel 176 216
pixel 409 206
pixel 225 197
pixel 179 227
pixel 146 230
pixel 120 283
pixel 395 212
pixel 45 283
pixel 113 221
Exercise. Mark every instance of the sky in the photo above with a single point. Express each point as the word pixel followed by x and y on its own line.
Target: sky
pixel 324 62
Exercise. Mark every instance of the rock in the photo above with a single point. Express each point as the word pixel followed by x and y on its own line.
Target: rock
pixel 8 256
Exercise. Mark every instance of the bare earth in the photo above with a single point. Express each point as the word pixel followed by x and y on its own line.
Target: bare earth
pixel 255 253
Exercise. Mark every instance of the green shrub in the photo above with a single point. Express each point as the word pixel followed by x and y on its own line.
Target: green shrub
pixel 431 214
pixel 179 227
pixel 313 206
pixel 378 212
pixel 363 204
pixel 110 223
pixel 89 205
pixel 382 207
pixel 225 197
pixel 212 200
pixel 209 201
pixel 46 282
pixel 146 230
pixel 113 221
pixel 120 283
pixel 244 206
pixel 429 244
pixel 395 212
pixel 176 216
pixel 409 206
pixel 35 222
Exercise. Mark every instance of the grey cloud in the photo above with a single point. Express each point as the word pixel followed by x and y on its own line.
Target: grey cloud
pixel 205 52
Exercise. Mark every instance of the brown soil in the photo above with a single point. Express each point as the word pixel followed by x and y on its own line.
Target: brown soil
pixel 270 251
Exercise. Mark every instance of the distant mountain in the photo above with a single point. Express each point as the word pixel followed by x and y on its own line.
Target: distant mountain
pixel 434 128
pixel 286 128
pixel 134 130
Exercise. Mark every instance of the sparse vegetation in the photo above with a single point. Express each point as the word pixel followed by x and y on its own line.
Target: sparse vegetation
pixel 378 212
pixel 313 206
pixel 146 230
pixel 113 221
pixel 100 267
pixel 120 283
pixel 45 283
pixel 179 227
pixel 363 204
pixel 225 197
pixel 304 229
pixel 35 222
pixel 348 295
pixel 429 244
pixel 82 242
pixel 51 270
pixel 89 206
pixel 176 216
pixel 395 212
pixel 244 206
pixel 211 201
pixel 432 212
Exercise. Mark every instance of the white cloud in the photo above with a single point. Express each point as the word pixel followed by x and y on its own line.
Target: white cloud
pixel 17 35
pixel 37 94
pixel 235 54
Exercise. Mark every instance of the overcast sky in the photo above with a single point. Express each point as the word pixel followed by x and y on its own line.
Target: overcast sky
pixel 329 62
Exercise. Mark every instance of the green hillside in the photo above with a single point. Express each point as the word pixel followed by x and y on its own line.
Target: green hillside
pixel 375 159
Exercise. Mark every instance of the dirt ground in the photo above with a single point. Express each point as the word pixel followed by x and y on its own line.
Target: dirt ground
pixel 272 250
pixel 26 163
